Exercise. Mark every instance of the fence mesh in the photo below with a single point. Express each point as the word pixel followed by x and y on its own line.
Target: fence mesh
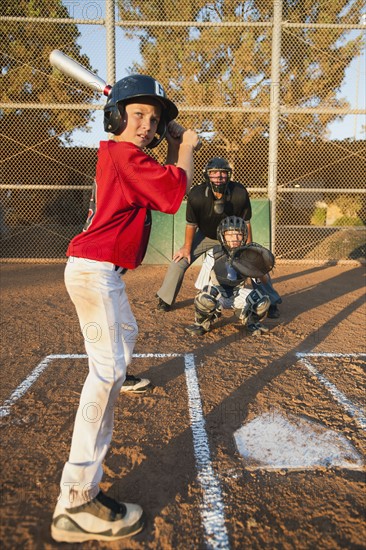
pixel 216 62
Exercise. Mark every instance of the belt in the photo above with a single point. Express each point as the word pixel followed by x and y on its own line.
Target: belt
pixel 121 270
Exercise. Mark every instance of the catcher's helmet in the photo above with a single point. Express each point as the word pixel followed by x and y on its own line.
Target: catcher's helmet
pixel 138 86
pixel 232 223
pixel 217 163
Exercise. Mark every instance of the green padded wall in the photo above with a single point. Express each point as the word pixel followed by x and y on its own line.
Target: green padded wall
pixel 167 234
pixel 160 246
pixel 261 222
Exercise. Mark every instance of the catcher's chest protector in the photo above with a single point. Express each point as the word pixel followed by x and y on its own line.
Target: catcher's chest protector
pixel 226 275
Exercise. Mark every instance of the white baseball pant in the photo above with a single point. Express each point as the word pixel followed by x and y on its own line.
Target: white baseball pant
pixel 110 331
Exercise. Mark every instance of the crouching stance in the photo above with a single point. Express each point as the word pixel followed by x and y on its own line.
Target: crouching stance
pixel 221 281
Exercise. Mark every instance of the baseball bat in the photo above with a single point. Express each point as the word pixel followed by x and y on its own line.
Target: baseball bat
pixel 69 67
pixel 73 69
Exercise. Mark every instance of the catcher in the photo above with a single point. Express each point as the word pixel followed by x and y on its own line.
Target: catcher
pixel 221 281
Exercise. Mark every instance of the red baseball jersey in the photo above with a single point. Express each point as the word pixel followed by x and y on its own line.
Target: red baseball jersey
pixel 128 184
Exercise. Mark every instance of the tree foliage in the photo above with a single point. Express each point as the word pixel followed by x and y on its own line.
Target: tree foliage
pixel 27 76
pixel 210 66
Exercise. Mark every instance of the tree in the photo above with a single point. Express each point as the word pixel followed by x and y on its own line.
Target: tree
pixel 28 78
pixel 230 66
pixel 32 139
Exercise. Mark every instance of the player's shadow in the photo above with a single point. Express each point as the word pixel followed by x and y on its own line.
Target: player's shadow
pixel 303 272
pixel 183 304
pixel 170 471
pixel 322 295
pixel 297 298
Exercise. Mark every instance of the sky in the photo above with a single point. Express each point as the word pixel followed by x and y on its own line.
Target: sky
pixel 92 41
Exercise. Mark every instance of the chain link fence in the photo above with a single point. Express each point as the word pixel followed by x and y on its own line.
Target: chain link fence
pixel 261 81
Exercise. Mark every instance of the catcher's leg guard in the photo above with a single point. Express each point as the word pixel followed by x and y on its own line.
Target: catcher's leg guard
pixel 255 309
pixel 207 309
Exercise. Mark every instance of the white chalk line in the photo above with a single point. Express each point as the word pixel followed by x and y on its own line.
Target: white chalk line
pixel 212 508
pixel 37 371
pixel 353 410
pixel 328 354
pixel 27 383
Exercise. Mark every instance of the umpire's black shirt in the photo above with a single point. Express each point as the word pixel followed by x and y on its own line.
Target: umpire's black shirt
pixel 200 207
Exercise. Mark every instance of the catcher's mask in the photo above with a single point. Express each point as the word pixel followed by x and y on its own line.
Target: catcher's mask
pixel 137 86
pixel 232 223
pixel 213 165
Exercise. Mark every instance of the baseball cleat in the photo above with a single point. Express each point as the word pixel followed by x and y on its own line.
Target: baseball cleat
pixel 195 330
pixel 273 312
pixel 163 306
pixel 102 518
pixel 257 329
pixel 132 384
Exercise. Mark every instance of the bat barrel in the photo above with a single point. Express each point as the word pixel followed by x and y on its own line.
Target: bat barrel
pixel 74 70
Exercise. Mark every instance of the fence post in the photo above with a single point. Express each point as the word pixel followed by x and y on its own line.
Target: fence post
pixel 110 27
pixel 274 116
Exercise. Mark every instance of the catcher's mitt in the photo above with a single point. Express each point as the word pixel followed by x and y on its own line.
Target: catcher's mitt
pixel 253 260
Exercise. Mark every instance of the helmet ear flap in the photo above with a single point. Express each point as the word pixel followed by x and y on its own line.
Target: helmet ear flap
pixel 112 118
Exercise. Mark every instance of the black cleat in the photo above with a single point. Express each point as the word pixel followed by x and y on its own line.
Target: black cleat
pixel 257 329
pixel 195 330
pixel 273 312
pixel 163 306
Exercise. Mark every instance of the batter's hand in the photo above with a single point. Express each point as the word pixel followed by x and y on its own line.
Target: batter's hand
pixel 174 135
pixel 182 253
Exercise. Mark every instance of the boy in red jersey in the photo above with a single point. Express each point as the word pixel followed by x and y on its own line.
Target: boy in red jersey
pixel 128 185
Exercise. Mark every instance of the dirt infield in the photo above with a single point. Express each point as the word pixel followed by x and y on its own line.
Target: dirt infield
pixel 197 493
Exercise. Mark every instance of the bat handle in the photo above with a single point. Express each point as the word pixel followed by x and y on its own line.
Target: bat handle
pixel 198 146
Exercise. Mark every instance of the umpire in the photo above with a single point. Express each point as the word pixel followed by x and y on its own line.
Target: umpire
pixel 207 205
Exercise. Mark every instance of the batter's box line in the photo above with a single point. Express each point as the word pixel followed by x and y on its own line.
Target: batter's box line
pixel 353 410
pixel 212 506
pixel 37 371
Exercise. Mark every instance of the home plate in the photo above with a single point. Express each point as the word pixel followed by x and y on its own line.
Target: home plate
pixel 275 441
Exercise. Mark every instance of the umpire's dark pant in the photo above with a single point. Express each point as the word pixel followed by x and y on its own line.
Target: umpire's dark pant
pixel 174 276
